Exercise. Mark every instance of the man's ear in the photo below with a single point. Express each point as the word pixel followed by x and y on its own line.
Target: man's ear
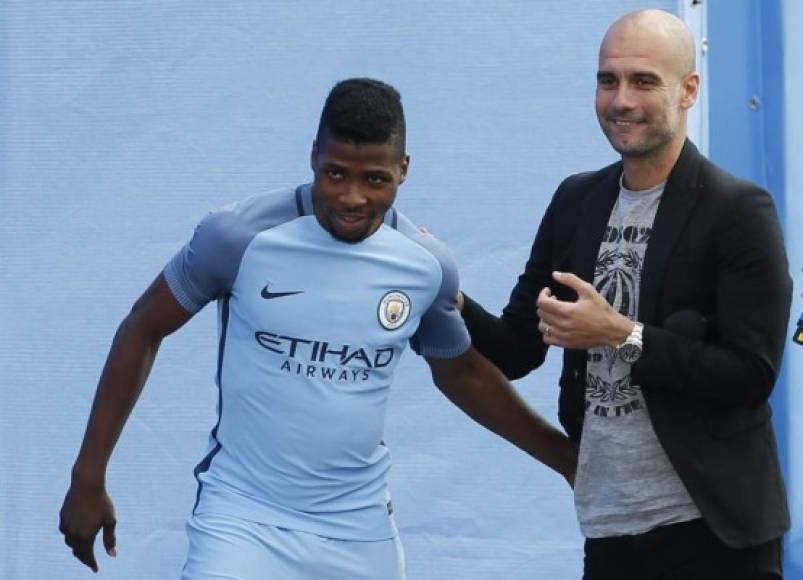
pixel 405 165
pixel 313 155
pixel 691 89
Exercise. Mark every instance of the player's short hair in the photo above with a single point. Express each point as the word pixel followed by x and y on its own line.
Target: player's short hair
pixel 363 110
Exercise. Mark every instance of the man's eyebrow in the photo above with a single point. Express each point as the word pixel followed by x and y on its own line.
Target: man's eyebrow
pixel 646 75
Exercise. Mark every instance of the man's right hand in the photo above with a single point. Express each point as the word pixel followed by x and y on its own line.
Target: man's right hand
pixel 87 507
pixel 85 511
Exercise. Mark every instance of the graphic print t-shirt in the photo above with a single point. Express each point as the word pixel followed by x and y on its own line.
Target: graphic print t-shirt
pixel 310 330
pixel 625 483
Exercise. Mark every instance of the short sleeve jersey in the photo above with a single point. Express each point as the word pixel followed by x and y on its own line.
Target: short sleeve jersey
pixel 310 331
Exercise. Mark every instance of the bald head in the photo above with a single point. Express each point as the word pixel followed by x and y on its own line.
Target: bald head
pixel 664 35
pixel 646 83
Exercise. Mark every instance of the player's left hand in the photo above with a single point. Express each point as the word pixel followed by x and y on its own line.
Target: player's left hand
pixel 586 323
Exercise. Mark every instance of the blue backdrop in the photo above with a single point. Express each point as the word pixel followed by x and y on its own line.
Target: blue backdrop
pixel 122 124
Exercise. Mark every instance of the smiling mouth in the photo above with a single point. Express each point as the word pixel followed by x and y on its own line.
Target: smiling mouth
pixel 351 220
pixel 350 223
pixel 625 122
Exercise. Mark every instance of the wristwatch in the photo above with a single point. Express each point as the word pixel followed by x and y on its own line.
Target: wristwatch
pixel 630 350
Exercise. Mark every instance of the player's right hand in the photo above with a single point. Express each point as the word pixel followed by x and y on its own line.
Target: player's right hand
pixel 85 511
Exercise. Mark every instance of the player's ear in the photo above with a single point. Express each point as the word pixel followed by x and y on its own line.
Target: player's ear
pixel 405 165
pixel 313 156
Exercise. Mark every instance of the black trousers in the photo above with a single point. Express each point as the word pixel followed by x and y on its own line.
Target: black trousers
pixel 685 551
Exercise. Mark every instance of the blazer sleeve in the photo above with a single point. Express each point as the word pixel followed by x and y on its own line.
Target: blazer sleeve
pixel 513 342
pixel 737 362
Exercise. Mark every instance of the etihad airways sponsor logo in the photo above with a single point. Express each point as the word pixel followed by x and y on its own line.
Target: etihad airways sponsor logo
pixel 312 358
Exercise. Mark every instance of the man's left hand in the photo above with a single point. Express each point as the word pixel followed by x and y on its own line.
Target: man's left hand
pixel 588 322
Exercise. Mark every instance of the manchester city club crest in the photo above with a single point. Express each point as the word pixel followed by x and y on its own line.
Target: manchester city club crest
pixel 394 309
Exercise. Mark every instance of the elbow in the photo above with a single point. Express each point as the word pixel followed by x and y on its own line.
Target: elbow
pixel 136 327
pixel 515 372
pixel 522 363
pixel 752 382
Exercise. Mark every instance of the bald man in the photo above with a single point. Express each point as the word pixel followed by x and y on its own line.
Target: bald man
pixel 664 280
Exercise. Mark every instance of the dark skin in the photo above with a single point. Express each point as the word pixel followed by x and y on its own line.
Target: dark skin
pixel 482 392
pixel 87 507
pixel 354 186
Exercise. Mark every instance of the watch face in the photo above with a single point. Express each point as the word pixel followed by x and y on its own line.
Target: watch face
pixel 629 353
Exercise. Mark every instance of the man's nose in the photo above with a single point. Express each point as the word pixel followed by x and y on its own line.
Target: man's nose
pixel 353 195
pixel 623 98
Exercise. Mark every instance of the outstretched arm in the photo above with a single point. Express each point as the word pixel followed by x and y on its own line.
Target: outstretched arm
pixel 87 507
pixel 511 341
pixel 472 383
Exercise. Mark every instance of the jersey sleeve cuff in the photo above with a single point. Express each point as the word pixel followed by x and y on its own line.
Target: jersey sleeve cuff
pixel 173 278
pixel 451 352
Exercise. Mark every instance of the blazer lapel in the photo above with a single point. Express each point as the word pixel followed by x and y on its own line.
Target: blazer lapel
pixel 591 227
pixel 680 194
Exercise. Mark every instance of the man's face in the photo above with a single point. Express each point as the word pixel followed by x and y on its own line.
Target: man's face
pixel 355 185
pixel 642 92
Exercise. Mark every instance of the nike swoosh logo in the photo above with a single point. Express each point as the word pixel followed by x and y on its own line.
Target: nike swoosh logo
pixel 268 295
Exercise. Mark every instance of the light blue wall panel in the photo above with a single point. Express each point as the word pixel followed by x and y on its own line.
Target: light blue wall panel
pixel 122 123
pixel 792 16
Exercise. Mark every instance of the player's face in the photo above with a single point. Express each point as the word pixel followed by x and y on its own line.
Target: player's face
pixel 355 185
pixel 642 95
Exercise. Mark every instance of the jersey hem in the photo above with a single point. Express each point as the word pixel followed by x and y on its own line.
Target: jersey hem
pixel 261 514
pixel 593 531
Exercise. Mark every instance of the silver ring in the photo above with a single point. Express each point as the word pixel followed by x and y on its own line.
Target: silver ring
pixel 547 330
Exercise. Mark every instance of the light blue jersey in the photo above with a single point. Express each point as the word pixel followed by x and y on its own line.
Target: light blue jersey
pixel 310 330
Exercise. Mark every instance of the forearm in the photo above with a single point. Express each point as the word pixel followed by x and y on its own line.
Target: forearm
pixel 514 349
pixel 486 396
pixel 709 373
pixel 127 367
pixel 502 411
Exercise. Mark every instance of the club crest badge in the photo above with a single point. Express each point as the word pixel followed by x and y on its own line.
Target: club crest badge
pixel 394 309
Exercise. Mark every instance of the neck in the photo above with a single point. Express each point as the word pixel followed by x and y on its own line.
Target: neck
pixel 647 171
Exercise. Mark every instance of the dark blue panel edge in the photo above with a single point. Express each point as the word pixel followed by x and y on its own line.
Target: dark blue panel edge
pixel 203 466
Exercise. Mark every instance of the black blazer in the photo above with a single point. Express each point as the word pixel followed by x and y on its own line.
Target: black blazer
pixel 714 299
